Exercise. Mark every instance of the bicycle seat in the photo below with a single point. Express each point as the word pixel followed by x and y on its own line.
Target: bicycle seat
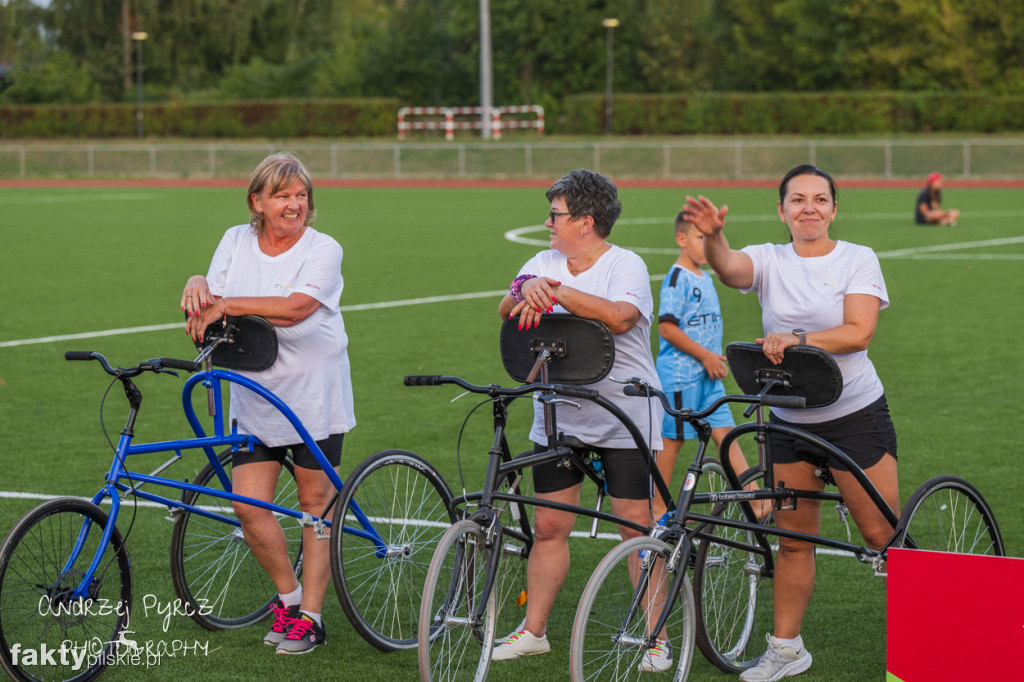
pixel 248 343
pixel 804 371
pixel 582 350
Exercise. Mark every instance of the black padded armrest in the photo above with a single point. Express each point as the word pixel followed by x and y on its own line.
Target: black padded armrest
pixel 249 343
pixel 805 371
pixel 582 351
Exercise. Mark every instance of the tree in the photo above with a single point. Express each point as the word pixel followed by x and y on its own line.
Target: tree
pixel 427 51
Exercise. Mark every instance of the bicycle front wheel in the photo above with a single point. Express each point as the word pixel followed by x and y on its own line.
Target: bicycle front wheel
pixel 457 619
pixel 42 563
pixel 516 542
pixel 393 509
pixel 733 591
pixel 948 514
pixel 217 578
pixel 625 596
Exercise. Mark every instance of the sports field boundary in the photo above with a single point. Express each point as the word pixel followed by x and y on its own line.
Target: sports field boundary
pixel 855 183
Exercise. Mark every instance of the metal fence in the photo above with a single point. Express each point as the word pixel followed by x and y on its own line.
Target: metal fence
pixel 727 159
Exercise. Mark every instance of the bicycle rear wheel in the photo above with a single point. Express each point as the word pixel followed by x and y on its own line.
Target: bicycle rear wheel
pixel 38 613
pixel 733 593
pixel 622 600
pixel 457 620
pixel 948 514
pixel 379 570
pixel 217 578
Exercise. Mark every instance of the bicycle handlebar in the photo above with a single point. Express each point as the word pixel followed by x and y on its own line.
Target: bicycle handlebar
pixel 640 389
pixel 156 365
pixel 494 390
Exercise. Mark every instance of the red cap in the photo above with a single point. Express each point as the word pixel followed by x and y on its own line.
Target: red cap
pixel 934 177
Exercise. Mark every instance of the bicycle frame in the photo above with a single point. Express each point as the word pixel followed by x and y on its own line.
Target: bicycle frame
pixel 770 491
pixel 501 465
pixel 115 487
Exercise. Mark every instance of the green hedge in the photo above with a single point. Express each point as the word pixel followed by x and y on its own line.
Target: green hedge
pixel 795 113
pixel 263 118
pixel 837 113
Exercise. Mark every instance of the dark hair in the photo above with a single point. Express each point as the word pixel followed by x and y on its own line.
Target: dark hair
pixel 589 193
pixel 683 224
pixel 805 169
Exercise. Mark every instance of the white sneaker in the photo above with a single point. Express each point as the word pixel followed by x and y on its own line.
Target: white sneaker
pixel 520 643
pixel 658 658
pixel 777 662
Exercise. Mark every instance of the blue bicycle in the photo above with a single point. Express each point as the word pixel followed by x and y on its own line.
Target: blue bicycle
pixel 65 573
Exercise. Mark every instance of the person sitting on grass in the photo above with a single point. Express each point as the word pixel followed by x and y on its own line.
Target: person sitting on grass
pixel 929 209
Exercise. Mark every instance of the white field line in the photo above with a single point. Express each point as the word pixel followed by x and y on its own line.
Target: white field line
pixel 938 251
pixel 516 235
pixel 613 537
pixel 178 325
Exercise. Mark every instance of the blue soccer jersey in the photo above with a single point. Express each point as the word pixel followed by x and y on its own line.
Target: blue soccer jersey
pixel 688 300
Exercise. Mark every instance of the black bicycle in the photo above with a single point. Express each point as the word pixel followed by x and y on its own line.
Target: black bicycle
pixel 636 590
pixel 475 588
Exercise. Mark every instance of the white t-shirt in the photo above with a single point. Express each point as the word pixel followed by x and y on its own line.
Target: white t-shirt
pixel 618 275
pixel 311 374
pixel 809 293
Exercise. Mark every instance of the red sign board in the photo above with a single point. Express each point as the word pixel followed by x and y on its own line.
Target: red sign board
pixel 954 616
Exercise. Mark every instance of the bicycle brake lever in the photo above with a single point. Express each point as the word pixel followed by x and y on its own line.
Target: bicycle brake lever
pixel 635 381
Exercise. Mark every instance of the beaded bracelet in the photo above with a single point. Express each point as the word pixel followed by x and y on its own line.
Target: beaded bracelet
pixel 516 287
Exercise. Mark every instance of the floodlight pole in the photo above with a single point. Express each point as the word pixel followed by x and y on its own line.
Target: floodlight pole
pixel 609 24
pixel 486 75
pixel 139 37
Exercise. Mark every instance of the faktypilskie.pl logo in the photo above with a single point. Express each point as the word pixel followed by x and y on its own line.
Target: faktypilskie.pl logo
pixel 124 649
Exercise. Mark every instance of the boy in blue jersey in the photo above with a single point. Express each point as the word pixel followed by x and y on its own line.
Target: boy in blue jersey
pixel 690 362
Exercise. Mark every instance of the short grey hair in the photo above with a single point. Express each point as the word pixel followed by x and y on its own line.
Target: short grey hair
pixel 589 193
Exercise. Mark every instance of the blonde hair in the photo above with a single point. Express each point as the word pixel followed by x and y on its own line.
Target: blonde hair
pixel 276 172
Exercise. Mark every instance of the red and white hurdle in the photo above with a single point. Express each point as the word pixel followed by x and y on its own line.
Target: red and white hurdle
pixel 444 118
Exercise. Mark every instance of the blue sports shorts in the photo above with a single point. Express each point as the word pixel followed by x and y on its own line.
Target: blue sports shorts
pixel 697 396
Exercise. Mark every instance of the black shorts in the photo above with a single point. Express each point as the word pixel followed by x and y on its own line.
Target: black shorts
pixel 301 455
pixel 865 435
pixel 625 470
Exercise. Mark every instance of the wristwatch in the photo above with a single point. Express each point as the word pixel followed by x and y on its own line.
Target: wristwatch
pixel 802 335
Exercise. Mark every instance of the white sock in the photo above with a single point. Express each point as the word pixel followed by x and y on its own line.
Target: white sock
pixel 792 643
pixel 293 598
pixel 314 616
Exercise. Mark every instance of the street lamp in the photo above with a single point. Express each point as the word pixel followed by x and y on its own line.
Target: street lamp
pixel 139 37
pixel 609 24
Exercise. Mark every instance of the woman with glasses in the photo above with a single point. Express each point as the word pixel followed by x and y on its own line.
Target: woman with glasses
pixel 585 275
